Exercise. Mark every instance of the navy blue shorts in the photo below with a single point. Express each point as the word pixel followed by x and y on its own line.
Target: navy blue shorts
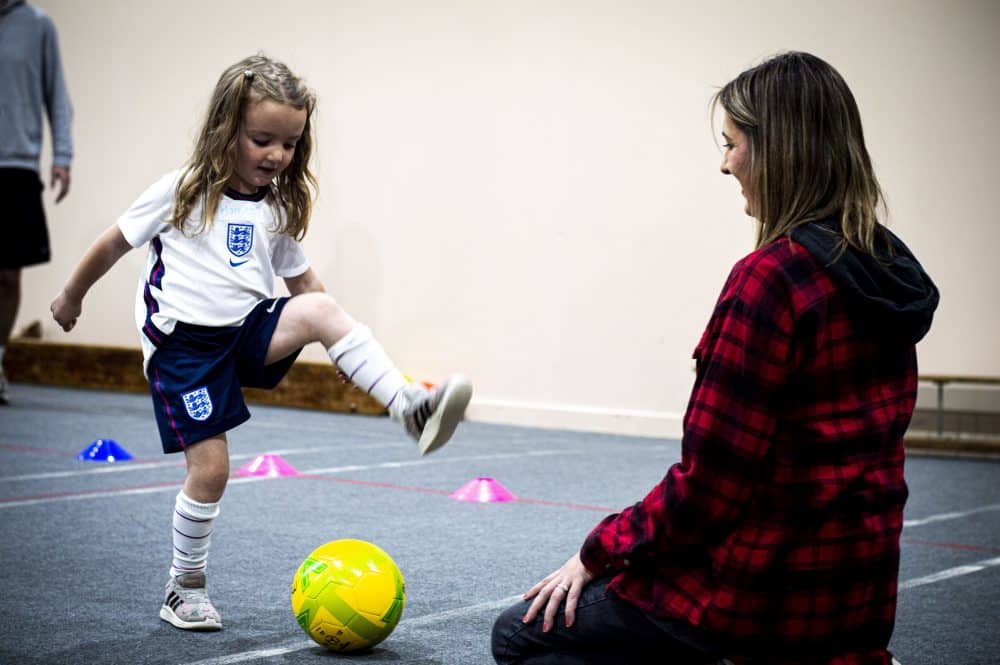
pixel 196 376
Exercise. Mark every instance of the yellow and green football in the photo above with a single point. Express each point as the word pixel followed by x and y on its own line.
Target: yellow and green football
pixel 348 595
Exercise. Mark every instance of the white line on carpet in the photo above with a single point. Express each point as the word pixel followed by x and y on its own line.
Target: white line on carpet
pixel 421 462
pixel 116 467
pixel 941 517
pixel 165 487
pixel 949 573
pixel 404 626
pixel 444 615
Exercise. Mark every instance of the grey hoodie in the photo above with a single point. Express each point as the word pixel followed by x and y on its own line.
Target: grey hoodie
pixel 31 79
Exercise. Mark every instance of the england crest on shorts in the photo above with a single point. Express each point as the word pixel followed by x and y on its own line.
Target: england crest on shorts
pixel 198 403
pixel 240 239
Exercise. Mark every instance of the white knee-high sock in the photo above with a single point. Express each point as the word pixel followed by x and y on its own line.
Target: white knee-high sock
pixel 192 533
pixel 359 355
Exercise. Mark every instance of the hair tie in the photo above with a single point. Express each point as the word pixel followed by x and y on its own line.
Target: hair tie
pixel 248 74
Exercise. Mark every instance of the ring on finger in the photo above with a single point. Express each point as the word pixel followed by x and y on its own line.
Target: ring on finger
pixel 563 587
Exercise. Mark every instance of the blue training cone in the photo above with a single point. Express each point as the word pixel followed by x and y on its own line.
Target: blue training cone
pixel 104 450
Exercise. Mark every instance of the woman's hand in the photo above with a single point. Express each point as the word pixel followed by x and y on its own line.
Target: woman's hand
pixel 565 584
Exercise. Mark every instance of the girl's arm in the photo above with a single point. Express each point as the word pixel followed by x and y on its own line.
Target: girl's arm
pixel 307 282
pixel 104 253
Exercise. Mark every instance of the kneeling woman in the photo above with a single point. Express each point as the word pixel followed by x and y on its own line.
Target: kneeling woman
pixel 776 537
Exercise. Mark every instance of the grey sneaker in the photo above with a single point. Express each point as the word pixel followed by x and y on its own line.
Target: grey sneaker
pixel 431 416
pixel 186 604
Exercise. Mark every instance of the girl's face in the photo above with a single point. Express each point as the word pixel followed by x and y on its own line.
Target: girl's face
pixel 736 159
pixel 265 143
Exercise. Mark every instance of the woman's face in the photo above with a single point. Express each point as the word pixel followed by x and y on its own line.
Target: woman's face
pixel 736 158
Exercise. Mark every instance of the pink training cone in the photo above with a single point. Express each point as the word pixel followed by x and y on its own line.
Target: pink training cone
pixel 483 490
pixel 269 466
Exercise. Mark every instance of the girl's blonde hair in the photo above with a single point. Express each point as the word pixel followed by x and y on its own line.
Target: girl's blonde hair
pixel 207 173
pixel 807 155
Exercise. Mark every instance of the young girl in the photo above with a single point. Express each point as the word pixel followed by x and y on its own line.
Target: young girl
pixel 219 231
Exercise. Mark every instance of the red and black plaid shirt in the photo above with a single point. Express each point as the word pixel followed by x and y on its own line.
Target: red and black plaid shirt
pixel 778 531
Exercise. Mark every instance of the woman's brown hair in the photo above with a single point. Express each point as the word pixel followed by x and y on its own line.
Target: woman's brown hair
pixel 808 159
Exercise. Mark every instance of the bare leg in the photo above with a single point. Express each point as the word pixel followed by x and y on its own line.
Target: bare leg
pixel 10 301
pixel 186 604
pixel 307 318
pixel 207 469
pixel 429 417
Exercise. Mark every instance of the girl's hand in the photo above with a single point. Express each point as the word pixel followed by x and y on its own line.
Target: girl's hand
pixel 565 584
pixel 104 253
pixel 66 310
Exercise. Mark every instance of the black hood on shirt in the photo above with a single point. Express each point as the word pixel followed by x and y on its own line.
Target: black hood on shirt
pixel 891 296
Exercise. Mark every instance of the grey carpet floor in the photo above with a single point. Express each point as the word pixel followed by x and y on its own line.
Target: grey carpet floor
pixel 85 545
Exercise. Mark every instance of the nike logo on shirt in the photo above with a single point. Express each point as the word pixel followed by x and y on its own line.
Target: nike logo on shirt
pixel 237 263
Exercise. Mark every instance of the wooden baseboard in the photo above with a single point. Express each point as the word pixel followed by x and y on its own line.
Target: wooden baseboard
pixel 986 445
pixel 307 385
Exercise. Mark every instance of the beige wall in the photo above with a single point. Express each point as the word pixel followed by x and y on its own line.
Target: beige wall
pixel 529 191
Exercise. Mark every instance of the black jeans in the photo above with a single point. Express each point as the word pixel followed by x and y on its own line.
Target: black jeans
pixel 607 631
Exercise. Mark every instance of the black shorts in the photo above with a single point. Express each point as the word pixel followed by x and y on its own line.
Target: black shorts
pixel 196 376
pixel 22 219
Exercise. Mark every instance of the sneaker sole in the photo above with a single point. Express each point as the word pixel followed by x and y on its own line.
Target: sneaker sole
pixel 168 615
pixel 442 423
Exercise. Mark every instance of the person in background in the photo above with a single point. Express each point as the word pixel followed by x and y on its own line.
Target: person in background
pixel 31 81
pixel 775 539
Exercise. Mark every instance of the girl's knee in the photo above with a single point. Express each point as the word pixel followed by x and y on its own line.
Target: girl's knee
pixel 218 478
pixel 206 486
pixel 316 303
pixel 207 479
pixel 327 319
pixel 322 310
pixel 330 307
